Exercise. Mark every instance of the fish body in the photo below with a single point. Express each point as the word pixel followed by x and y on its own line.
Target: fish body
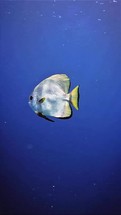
pixel 51 97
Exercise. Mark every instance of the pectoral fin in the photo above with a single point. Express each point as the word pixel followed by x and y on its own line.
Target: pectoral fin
pixel 41 100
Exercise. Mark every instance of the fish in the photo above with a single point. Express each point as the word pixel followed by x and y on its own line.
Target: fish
pixel 51 98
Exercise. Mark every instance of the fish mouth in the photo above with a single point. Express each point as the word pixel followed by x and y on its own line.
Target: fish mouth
pixel 30 104
pixel 33 106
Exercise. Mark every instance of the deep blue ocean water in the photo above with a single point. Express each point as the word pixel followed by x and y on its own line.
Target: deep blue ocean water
pixel 69 167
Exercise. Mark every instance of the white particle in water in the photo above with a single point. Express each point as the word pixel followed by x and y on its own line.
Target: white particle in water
pixel 29 146
pixel 33 188
pixel 99 19
pixel 59 16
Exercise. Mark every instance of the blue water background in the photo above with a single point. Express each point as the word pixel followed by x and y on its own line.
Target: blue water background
pixel 69 167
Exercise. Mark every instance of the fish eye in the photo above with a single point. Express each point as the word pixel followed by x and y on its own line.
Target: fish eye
pixel 31 97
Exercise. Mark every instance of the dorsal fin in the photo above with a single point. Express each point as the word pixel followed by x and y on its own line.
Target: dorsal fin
pixel 62 80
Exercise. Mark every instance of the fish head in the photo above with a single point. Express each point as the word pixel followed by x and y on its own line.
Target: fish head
pixel 35 102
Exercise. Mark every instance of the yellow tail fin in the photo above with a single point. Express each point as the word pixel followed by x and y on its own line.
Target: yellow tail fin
pixel 74 97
